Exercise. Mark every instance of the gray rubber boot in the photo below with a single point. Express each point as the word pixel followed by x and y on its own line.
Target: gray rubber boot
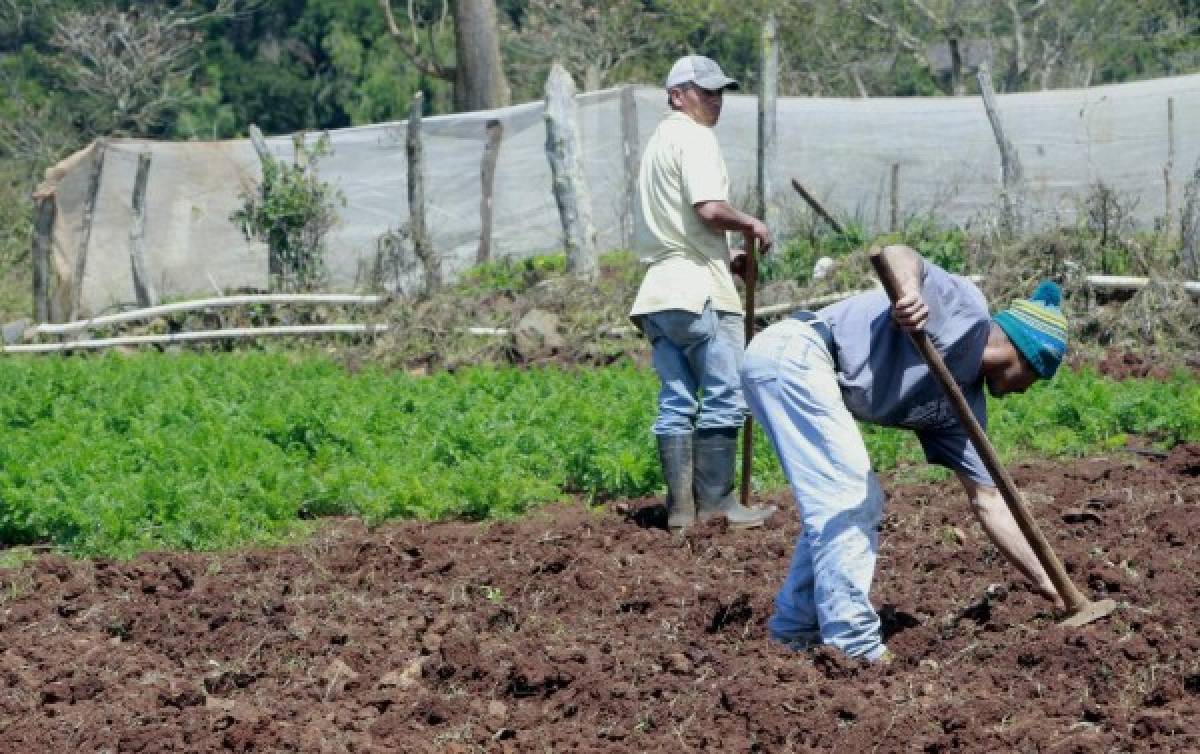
pixel 675 455
pixel 715 453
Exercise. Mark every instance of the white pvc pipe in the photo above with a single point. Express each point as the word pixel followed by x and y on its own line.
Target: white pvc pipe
pixel 313 299
pixel 1120 283
pixel 199 335
pixel 1100 282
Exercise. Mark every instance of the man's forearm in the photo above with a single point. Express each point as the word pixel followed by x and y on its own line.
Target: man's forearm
pixel 907 266
pixel 1002 529
pixel 723 216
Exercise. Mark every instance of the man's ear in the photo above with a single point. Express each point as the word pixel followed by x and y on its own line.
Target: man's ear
pixel 997 336
pixel 675 97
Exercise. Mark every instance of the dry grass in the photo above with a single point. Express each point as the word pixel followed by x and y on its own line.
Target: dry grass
pixel 431 333
pixel 1161 317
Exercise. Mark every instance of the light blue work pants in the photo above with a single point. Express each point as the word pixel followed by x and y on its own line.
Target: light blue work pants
pixel 792 390
pixel 697 353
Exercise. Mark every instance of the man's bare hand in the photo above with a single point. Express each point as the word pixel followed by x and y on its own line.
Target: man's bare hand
pixel 909 309
pixel 760 233
pixel 758 236
pixel 737 263
pixel 910 312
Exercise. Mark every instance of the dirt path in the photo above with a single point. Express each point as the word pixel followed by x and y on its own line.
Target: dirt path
pixel 580 631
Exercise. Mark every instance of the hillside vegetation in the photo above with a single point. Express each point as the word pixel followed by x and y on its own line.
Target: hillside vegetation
pixel 73 70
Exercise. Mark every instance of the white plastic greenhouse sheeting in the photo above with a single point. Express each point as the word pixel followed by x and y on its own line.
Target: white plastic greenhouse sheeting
pixel 841 149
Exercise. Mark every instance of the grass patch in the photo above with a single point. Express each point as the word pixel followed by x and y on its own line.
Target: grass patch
pixel 15 557
pixel 114 455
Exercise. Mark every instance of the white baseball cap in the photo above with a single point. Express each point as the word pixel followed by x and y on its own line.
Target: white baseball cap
pixel 703 72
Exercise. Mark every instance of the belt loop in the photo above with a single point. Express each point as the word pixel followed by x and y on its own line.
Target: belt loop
pixel 822 329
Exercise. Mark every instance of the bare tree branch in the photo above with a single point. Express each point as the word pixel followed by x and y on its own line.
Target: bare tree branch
pixel 429 67
pixel 589 38
pixel 412 22
pixel 925 11
pixel 129 69
pixel 905 39
pixel 1029 13
pixel 36 137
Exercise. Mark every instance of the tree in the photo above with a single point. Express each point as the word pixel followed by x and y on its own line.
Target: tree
pixel 904 47
pixel 127 70
pixel 592 39
pixel 951 37
pixel 478 71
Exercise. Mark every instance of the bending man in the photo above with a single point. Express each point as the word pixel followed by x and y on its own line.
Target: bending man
pixel 808 378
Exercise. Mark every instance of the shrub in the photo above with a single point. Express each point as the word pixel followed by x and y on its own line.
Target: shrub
pixel 292 210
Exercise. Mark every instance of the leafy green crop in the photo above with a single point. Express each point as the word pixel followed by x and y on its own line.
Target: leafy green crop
pixel 119 454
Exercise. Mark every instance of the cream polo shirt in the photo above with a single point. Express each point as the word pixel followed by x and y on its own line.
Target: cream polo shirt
pixel 688 264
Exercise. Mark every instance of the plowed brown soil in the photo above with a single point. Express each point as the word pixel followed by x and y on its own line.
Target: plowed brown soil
pixel 574 630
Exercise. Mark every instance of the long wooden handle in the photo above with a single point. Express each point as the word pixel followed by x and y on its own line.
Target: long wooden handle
pixel 750 273
pixel 1008 490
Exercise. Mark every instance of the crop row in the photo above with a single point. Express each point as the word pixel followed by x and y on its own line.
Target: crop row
pixel 116 455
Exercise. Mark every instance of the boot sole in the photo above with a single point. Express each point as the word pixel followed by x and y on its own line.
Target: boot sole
pixel 754 525
pixel 733 524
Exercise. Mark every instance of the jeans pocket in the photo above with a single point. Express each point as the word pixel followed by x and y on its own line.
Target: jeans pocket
pixel 770 355
pixel 683 328
pixel 756 368
pixel 705 325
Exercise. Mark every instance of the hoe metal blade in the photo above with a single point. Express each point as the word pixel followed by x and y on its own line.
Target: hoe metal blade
pixel 1092 611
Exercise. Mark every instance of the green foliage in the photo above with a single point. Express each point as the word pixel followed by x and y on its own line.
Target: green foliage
pixel 315 64
pixel 945 247
pixel 796 259
pixel 15 231
pixel 948 247
pixel 197 452
pixel 207 115
pixel 1080 412
pixel 292 210
pixel 512 275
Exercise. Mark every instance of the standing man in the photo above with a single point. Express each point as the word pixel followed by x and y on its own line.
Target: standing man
pixel 808 378
pixel 687 305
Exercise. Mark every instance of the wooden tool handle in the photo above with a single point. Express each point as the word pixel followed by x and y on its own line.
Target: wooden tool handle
pixel 750 275
pixel 1008 490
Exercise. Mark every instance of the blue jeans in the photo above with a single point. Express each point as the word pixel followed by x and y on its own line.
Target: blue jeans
pixel 792 390
pixel 691 353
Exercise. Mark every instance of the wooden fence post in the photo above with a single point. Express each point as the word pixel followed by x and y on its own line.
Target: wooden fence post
pixel 274 262
pixel 1013 192
pixel 894 197
pixel 299 152
pixel 416 198
pixel 570 189
pixel 487 180
pixel 631 151
pixel 1168 169
pixel 1189 223
pixel 143 286
pixel 85 235
pixel 768 144
pixel 45 207
pixel 260 144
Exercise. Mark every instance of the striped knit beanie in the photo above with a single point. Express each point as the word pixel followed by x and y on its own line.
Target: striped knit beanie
pixel 1038 328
